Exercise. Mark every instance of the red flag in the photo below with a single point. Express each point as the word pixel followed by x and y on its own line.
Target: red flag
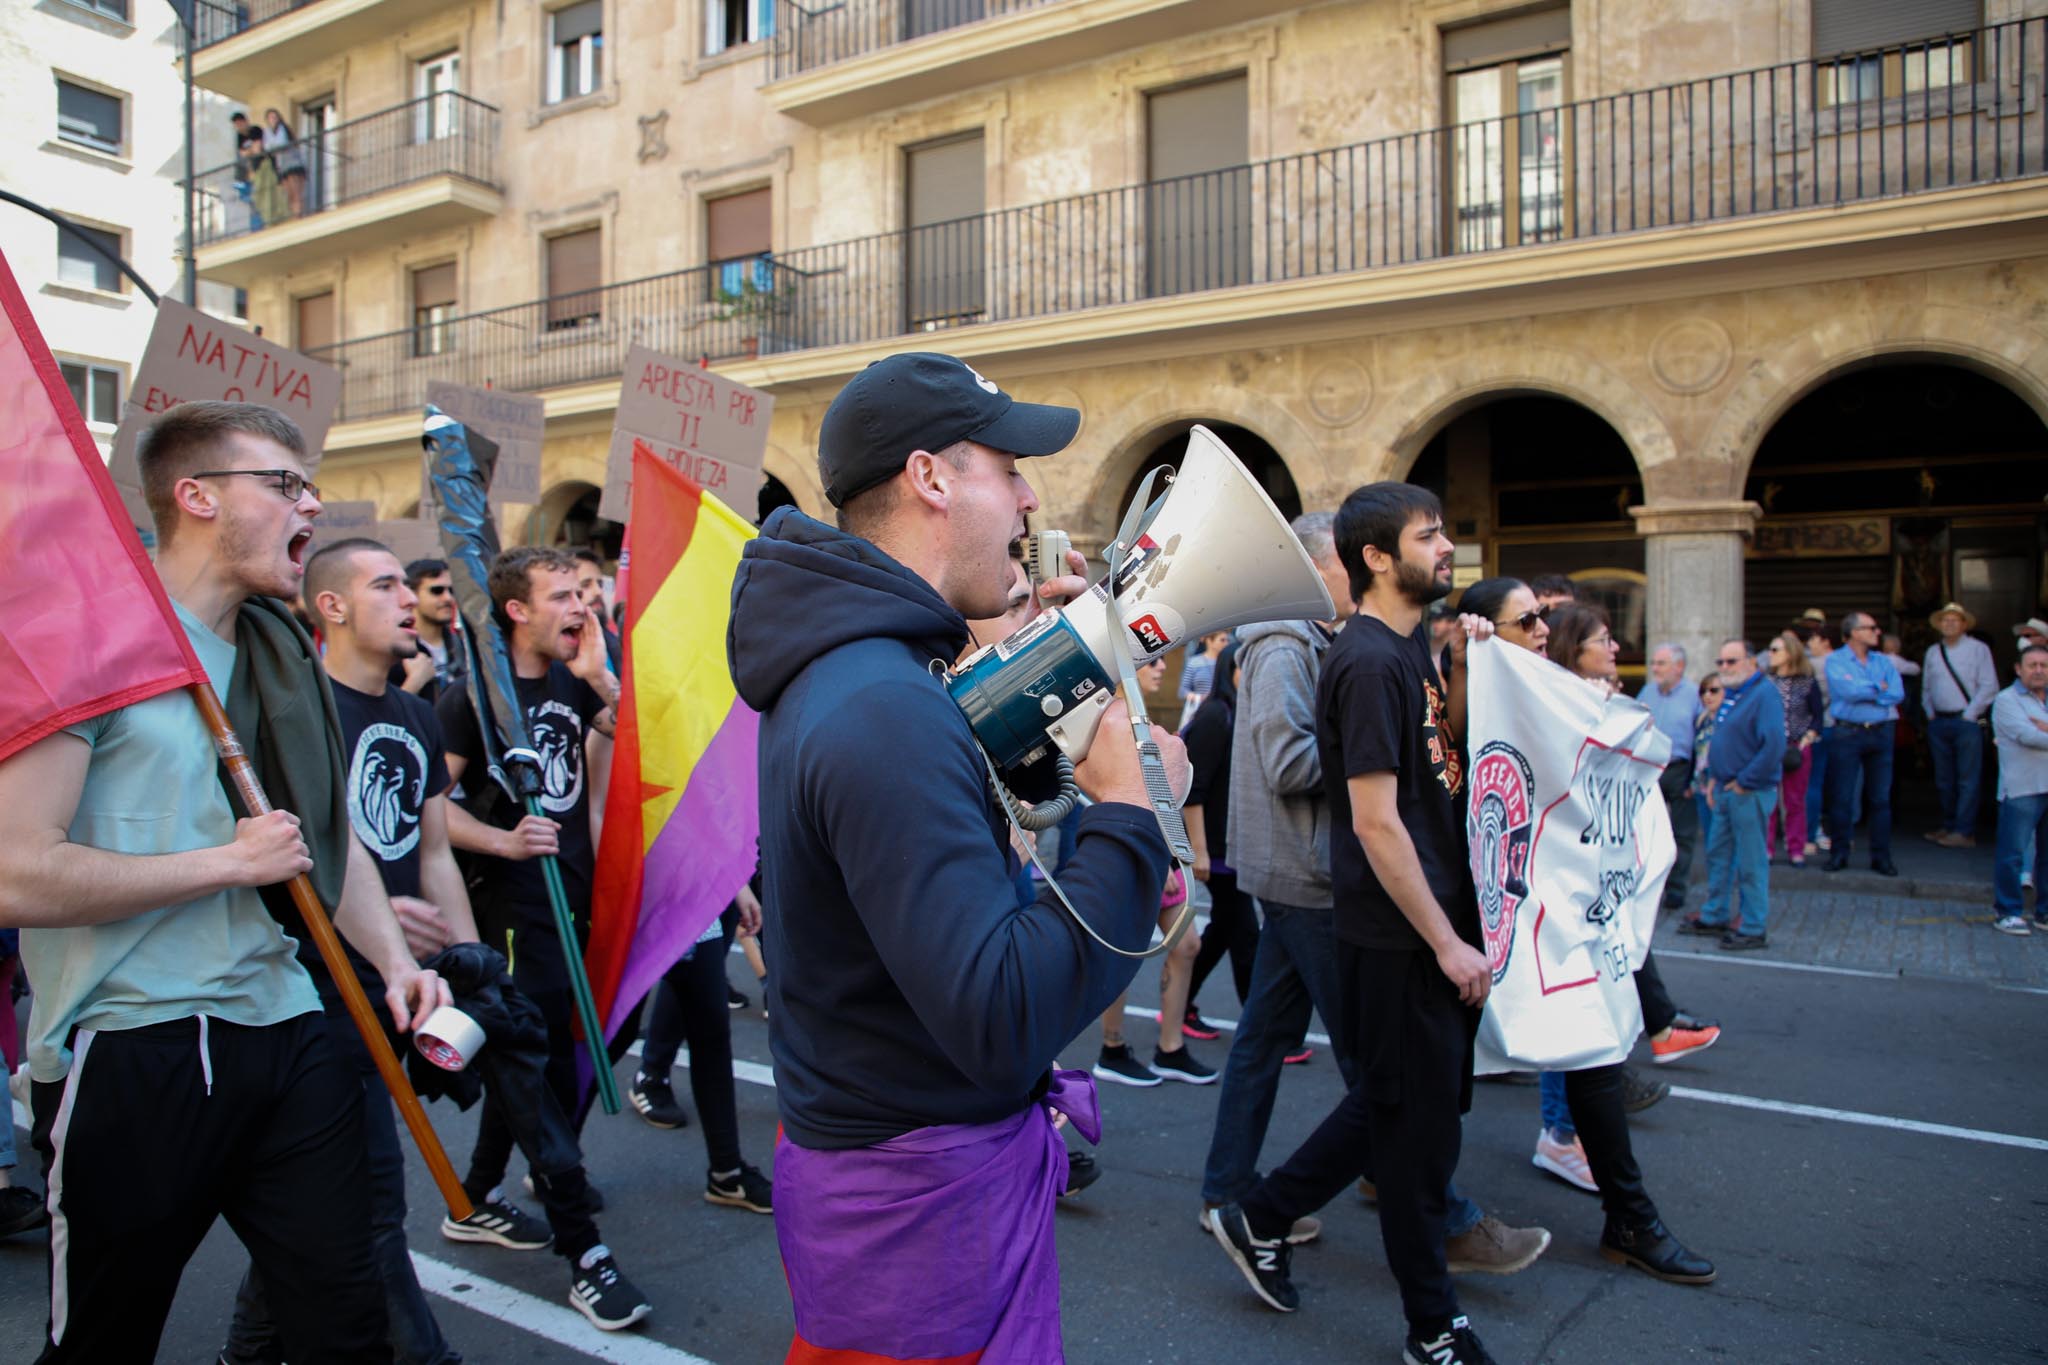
pixel 85 627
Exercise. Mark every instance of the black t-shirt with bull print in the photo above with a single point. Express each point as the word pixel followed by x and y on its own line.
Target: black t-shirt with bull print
pixel 559 708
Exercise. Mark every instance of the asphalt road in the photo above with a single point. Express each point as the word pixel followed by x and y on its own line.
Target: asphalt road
pixel 1837 1240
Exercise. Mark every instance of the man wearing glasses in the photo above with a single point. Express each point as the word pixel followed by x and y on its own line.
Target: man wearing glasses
pixel 1674 702
pixel 1863 687
pixel 1745 764
pixel 438 662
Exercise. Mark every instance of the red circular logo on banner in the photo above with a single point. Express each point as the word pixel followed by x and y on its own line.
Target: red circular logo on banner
pixel 1499 822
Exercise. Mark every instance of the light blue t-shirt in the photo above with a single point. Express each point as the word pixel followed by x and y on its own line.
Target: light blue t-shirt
pixel 153 787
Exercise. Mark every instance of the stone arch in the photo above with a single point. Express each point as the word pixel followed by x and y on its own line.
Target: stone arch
pixel 1988 342
pixel 556 502
pixel 1410 413
pixel 801 479
pixel 1140 420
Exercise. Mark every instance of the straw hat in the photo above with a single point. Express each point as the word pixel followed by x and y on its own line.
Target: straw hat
pixel 2033 623
pixel 1815 615
pixel 1969 617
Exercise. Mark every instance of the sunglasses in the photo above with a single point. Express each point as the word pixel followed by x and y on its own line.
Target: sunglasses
pixel 1735 662
pixel 290 482
pixel 441 591
pixel 1527 620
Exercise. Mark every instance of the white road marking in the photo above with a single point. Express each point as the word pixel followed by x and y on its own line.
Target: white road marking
pixel 1227 1025
pixel 1815 1111
pixel 1733 960
pixel 753 1073
pixel 556 1322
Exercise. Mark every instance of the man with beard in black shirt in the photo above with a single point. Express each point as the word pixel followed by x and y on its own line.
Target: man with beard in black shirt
pixel 1412 977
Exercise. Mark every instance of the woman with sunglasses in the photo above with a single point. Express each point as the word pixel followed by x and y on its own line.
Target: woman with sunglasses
pixel 1585 1112
pixel 1711 697
pixel 1792 673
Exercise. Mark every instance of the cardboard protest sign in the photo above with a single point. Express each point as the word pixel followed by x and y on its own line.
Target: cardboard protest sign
pixel 341 520
pixel 516 421
pixel 408 537
pixel 712 429
pixel 191 356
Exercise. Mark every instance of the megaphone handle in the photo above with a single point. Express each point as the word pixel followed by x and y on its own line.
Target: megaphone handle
pixel 1165 806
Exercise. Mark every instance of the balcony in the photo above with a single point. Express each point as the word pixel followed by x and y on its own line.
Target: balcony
pixel 240 46
pixel 1767 163
pixel 835 61
pixel 421 166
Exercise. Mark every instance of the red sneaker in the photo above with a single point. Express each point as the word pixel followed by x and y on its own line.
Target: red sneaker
pixel 1195 1026
pixel 1297 1058
pixel 1683 1042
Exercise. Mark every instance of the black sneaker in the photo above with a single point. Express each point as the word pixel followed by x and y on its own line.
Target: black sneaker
pixel 1264 1263
pixel 656 1101
pixel 1182 1066
pixel 1118 1065
pixel 20 1208
pixel 499 1221
pixel 1638 1094
pixel 1082 1171
pixel 745 1188
pixel 601 1293
pixel 1457 1345
pixel 734 1000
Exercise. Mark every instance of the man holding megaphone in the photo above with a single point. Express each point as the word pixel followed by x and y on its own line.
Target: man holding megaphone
pixel 915 1010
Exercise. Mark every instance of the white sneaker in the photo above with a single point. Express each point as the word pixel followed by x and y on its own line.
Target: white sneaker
pixel 2012 924
pixel 1565 1160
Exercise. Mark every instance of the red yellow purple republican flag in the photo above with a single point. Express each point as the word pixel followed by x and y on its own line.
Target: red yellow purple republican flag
pixel 682 816
pixel 85 627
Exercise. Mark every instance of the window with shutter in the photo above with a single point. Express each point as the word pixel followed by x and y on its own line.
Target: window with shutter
pixel 89 118
pixel 1198 208
pixel 1509 165
pixel 433 309
pixel 315 322
pixel 1874 49
pixel 575 271
pixel 946 198
pixel 78 263
pixel 96 389
pixel 738 237
pixel 575 50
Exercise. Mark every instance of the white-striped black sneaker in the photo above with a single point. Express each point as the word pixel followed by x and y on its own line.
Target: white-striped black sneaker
pixel 656 1102
pixel 499 1221
pixel 603 1294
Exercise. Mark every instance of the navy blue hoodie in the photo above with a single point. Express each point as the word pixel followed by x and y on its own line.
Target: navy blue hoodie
pixel 906 988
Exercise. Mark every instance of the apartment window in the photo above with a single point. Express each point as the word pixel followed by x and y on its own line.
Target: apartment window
pixel 96 389
pixel 738 237
pixel 112 9
pixel 575 270
pixel 1871 51
pixel 729 23
pixel 79 264
pixel 90 118
pixel 433 309
pixel 314 328
pixel 944 187
pixel 435 85
pixel 318 118
pixel 1198 206
pixel 575 50
pixel 1509 159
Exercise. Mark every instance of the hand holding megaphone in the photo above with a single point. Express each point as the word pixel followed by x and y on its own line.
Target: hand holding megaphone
pixel 1110 771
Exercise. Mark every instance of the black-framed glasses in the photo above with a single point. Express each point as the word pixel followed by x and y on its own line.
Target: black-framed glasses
pixel 290 482
pixel 1527 620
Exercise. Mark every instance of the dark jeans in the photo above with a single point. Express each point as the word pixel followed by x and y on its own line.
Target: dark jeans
pixel 415 1337
pixel 1957 746
pixel 1685 821
pixel 689 1005
pixel 1860 751
pixel 1413 1041
pixel 2022 825
pixel 1595 1095
pixel 1233 929
pixel 160 1130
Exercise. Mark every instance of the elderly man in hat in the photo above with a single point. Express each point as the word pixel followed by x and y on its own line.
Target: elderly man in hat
pixel 1958 684
pixel 2030 632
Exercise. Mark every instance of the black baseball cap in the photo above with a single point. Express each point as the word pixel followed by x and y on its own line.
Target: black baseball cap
pixel 921 400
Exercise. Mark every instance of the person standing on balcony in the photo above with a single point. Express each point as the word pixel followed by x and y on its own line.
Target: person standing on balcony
pixel 286 157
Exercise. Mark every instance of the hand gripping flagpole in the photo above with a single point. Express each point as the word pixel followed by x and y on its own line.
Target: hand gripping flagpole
pixel 460 462
pixel 243 774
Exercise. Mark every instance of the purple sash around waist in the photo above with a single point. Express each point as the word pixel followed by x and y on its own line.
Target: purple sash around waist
pixel 934 1247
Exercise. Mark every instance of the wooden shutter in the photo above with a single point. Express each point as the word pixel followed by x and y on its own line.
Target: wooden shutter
pixel 574 23
pixel 1198 221
pixel 433 286
pixel 738 225
pixel 945 201
pixel 574 273
pixel 1859 25
pixel 315 322
pixel 1504 40
pixel 1198 128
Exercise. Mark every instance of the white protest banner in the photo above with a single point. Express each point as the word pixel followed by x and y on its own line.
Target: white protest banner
pixel 1570 847
pixel 713 429
pixel 191 356
pixel 516 421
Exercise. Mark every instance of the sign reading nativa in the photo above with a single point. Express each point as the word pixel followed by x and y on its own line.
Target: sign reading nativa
pixel 714 430
pixel 190 357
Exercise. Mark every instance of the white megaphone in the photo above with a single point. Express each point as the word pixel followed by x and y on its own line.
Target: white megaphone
pixel 1215 553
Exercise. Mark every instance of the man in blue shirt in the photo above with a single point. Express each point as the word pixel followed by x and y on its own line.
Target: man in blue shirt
pixel 1745 764
pixel 1674 702
pixel 1863 687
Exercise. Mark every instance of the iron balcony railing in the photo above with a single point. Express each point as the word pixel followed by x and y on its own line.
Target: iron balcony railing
pixel 814 33
pixel 442 134
pixel 1955 111
pixel 216 21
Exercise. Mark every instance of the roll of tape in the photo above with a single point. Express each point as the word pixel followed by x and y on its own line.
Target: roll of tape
pixel 449 1039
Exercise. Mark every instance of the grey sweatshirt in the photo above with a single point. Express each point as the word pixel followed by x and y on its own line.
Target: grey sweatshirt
pixel 1279 819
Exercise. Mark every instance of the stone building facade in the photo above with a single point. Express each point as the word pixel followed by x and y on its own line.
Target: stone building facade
pixel 1606 273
